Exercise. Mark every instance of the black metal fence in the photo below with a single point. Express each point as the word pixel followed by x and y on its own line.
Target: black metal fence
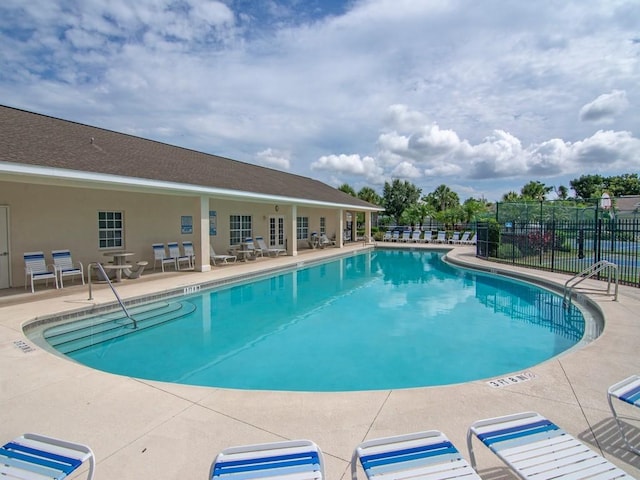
pixel 565 246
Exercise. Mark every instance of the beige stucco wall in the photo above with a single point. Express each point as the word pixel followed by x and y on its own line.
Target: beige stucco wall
pixel 48 217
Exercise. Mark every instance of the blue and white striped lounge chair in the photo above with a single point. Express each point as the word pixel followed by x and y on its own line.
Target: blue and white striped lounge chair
pixel 415 236
pixel 396 236
pixel 160 255
pixel 37 456
pixel 65 266
pixel 35 268
pixel 178 258
pixel 427 454
pixel 628 391
pixel 536 448
pixel 294 459
pixel 406 236
pixel 387 236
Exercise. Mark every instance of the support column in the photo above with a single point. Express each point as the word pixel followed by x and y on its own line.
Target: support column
pixel 367 227
pixel 292 232
pixel 340 232
pixel 201 237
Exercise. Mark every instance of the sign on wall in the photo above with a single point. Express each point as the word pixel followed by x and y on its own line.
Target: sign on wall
pixel 213 222
pixel 186 224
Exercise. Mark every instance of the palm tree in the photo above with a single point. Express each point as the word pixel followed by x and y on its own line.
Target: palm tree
pixel 442 198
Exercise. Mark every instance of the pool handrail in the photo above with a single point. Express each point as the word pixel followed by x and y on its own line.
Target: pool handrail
pixel 589 272
pixel 104 274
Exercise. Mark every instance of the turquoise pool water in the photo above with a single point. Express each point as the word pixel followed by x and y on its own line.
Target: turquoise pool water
pixel 378 320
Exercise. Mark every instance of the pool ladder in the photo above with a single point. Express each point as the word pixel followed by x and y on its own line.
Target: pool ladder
pixel 590 272
pixel 113 289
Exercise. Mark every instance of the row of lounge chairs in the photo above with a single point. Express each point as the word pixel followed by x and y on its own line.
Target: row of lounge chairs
pixel 416 236
pixel 532 446
pixel 184 258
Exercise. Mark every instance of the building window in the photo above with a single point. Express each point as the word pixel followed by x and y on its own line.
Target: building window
pixel 302 224
pixel 239 228
pixel 110 230
pixel 323 226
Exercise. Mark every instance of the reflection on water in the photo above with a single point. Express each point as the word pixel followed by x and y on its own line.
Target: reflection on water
pixel 378 320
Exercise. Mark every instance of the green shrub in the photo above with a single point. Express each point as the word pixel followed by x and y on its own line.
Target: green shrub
pixel 507 251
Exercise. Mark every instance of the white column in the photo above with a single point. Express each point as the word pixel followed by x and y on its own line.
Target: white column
pixel 292 233
pixel 340 232
pixel 201 238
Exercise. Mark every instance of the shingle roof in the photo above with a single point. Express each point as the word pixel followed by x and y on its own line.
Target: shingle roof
pixel 39 140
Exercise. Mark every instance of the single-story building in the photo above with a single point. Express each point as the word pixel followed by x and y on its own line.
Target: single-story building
pixel 65 185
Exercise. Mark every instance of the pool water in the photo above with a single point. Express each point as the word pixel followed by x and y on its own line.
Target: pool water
pixel 384 319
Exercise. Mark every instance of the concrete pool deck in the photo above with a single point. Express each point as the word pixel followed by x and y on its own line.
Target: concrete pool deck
pixel 142 429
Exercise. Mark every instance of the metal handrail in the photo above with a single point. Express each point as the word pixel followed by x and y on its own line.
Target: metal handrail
pixel 104 274
pixel 588 273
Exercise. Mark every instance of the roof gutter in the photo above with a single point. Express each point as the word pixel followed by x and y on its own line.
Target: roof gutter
pixel 141 183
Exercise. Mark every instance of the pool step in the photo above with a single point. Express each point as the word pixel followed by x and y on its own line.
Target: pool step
pixel 75 336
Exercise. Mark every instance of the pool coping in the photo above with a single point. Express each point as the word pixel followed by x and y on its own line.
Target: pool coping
pixel 144 429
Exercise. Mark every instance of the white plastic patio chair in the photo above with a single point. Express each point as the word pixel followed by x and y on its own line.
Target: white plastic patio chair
pixel 627 391
pixel 427 454
pixel 38 456
pixel 174 252
pixel 295 459
pixel 262 245
pixel 536 448
pixel 160 256
pixel 65 266
pixel 220 257
pixel 35 268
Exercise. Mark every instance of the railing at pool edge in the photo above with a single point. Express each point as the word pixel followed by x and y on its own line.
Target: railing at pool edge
pixel 104 274
pixel 590 272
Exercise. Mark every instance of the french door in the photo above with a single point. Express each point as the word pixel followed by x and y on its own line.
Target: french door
pixel 276 231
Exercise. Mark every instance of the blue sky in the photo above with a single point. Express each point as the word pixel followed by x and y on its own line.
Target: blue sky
pixel 482 96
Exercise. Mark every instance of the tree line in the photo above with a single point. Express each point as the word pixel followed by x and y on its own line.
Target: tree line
pixel 404 203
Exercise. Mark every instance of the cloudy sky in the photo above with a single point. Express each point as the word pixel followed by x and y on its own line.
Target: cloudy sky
pixel 480 95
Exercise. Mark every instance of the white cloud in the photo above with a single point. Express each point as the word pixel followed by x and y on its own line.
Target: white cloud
pixel 274 159
pixel 605 108
pixel 433 91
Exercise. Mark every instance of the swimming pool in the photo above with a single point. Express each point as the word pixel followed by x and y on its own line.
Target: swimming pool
pixel 377 320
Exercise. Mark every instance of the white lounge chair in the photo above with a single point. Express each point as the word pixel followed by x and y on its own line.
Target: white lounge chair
pixel 628 391
pixel 221 258
pixel 65 266
pixel 395 236
pixel 406 236
pixel 464 240
pixel 32 456
pixel 325 241
pixel 174 252
pixel 415 236
pixel 249 246
pixel 428 455
pixel 295 459
pixel 269 250
pixel 536 448
pixel 455 238
pixel 160 256
pixel 187 248
pixel 35 268
pixel 441 238
pixel 428 236
pixel 387 236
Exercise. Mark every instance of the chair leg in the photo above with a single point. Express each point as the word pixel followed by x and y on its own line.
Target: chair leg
pixel 620 429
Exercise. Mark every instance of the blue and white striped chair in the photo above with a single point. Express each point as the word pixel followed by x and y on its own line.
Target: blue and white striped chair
pixel 628 391
pixel 295 459
pixel 534 447
pixel 427 454
pixel 65 266
pixel 37 456
pixel 35 268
